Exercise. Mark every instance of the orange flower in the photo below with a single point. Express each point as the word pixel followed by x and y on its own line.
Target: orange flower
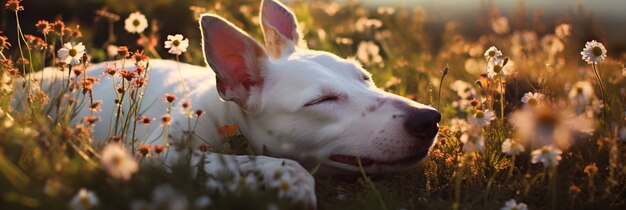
pixel 169 98
pixel 122 51
pixel 144 149
pixel 158 149
pixel 227 130
pixel 14 5
pixel 165 119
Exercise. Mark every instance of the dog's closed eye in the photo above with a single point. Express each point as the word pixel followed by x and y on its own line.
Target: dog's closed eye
pixel 323 99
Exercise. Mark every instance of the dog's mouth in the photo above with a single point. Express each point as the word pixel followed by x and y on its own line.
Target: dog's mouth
pixel 365 161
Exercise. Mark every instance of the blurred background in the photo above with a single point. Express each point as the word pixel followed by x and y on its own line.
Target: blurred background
pixel 603 19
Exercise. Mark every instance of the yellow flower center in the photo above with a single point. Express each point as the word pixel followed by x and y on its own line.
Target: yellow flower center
pixel 533 102
pixel 597 51
pixel 73 52
pixel 84 200
pixel 497 69
pixel 492 53
pixel 175 43
pixel 579 90
pixel 479 114
pixel 136 22
pixel 545 151
pixel 117 160
pixel 284 185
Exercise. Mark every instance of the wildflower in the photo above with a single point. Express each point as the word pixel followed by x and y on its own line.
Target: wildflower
pixel 492 52
pixel 513 205
pixel 552 45
pixel 166 119
pixel 563 30
pixel 158 149
pixel 91 119
pixel 248 181
pixel 144 149
pixel 363 24
pixel 136 23
pixel 111 70
pixel 549 125
pixel 532 99
pixel 177 44
pixel 43 26
pixel 549 156
pixel 574 190
pixel 472 142
pixel 84 199
pixel 71 54
pixel 512 147
pixel 145 120
pixel 591 169
pixel 463 89
pixel 169 98
pixel 227 130
pixel 594 52
pixel 140 56
pixel 482 117
pixel 128 75
pixel 368 52
pixel 35 42
pixel 283 181
pixel 497 67
pixel 122 51
pixel 199 112
pixel 500 25
pixel 52 187
pixel 118 162
pixel 14 5
pixel 4 43
pixel 581 94
pixel 58 27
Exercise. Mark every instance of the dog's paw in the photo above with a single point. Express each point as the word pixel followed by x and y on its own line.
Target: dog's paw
pixel 233 173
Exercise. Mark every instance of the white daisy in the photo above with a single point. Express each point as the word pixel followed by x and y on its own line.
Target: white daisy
pixel 177 44
pixel 84 199
pixel 512 147
pixel 500 25
pixel 285 183
pixel 492 52
pixel 136 23
pixel 547 155
pixel 594 52
pixel 532 99
pixel 369 53
pixel 472 143
pixel 552 45
pixel 496 67
pixel 482 117
pixel 513 205
pixel 71 54
pixel 548 125
pixel 581 94
pixel 563 30
pixel 118 162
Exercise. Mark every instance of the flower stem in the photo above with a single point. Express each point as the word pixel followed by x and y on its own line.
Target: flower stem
pixel 602 94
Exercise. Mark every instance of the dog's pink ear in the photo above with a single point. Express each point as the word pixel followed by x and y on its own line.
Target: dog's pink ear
pixel 280 28
pixel 235 57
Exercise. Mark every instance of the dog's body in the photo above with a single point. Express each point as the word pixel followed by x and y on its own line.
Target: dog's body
pixel 295 103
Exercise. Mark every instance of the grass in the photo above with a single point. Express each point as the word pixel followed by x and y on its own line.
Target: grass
pixel 45 160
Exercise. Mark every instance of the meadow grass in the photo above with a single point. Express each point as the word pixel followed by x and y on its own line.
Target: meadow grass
pixel 569 138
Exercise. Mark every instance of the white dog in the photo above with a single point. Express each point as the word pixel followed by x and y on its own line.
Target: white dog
pixel 304 105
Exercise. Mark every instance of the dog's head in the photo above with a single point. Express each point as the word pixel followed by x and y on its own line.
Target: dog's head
pixel 311 105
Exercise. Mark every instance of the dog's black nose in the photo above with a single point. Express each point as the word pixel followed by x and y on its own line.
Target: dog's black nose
pixel 422 123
